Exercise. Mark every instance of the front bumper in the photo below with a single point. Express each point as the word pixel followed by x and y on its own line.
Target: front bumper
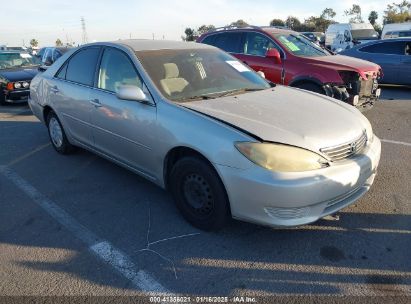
pixel 18 96
pixel 292 199
pixel 364 98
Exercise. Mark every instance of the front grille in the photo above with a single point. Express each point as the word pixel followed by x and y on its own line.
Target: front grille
pixel 346 150
pixel 287 213
pixel 367 86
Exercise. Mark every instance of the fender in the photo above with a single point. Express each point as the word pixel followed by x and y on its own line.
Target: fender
pixel 305 78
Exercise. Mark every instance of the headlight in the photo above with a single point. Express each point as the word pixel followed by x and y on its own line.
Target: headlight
pixel 26 84
pixel 281 158
pixel 17 85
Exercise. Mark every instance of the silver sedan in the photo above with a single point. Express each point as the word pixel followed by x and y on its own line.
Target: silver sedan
pixel 196 121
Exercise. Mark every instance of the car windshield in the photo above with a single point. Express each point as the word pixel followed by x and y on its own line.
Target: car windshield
pixel 364 34
pixel 189 74
pixel 300 46
pixel 14 60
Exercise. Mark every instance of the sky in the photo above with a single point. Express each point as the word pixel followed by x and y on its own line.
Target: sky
pixel 47 20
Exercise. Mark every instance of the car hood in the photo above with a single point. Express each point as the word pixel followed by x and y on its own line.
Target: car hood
pixel 19 74
pixel 346 63
pixel 289 116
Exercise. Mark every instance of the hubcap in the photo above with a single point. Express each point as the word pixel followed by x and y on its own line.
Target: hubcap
pixel 56 133
pixel 197 193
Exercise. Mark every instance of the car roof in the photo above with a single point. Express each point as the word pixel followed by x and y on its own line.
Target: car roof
pixel 14 52
pixel 151 45
pixel 272 30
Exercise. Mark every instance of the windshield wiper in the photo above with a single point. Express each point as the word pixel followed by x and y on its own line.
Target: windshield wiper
pixel 196 97
pixel 239 91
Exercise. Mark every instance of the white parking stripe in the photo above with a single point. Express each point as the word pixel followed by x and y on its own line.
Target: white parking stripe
pixel 101 248
pixel 396 142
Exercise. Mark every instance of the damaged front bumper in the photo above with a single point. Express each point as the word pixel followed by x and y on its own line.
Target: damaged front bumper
pixel 360 93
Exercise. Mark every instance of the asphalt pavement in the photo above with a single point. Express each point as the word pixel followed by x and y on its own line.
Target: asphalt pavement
pixel 79 225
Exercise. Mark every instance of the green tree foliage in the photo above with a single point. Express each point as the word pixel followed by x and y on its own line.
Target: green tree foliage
pixel 328 14
pixel 34 42
pixel 397 12
pixel 373 17
pixel 355 13
pixel 239 23
pixel 205 28
pixel 59 42
pixel 277 22
pixel 293 23
pixel 190 34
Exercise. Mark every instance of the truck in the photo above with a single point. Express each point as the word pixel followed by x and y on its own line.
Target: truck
pixel 343 36
pixel 396 30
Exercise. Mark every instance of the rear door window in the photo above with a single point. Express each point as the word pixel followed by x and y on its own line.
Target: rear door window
pixel 82 66
pixel 229 42
pixel 390 48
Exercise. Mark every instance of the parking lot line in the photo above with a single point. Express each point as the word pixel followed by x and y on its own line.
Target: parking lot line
pixel 396 142
pixel 99 247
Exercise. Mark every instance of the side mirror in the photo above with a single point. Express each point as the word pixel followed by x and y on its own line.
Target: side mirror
pixel 274 54
pixel 130 92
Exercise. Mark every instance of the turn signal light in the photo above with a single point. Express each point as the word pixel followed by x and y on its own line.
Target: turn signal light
pixel 10 86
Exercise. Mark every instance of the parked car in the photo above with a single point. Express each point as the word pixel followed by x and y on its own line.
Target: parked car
pixel 50 54
pixel 316 37
pixel 393 55
pixel 17 69
pixel 396 30
pixel 3 48
pixel 342 36
pixel 192 119
pixel 287 57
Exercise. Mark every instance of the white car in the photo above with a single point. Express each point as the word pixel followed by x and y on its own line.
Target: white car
pixel 225 142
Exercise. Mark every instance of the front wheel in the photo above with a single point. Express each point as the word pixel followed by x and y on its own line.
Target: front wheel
pixel 312 87
pixel 57 135
pixel 199 194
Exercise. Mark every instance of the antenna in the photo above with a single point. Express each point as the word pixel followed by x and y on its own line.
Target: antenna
pixel 84 38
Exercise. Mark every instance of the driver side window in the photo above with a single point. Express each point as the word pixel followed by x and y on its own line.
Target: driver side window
pixel 116 69
pixel 258 45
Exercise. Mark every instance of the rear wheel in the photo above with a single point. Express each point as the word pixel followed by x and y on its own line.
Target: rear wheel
pixel 312 87
pixel 199 193
pixel 57 135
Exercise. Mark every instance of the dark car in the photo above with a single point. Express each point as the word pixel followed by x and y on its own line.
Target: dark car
pixel 49 55
pixel 393 55
pixel 289 58
pixel 17 69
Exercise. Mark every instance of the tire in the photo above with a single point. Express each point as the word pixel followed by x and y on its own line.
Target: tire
pixel 2 100
pixel 199 194
pixel 312 87
pixel 57 135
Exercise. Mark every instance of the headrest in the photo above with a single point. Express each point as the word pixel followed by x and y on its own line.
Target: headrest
pixel 171 70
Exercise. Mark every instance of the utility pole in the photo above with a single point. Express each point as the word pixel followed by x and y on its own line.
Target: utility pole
pixel 84 38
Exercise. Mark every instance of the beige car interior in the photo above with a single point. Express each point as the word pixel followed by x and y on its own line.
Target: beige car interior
pixel 172 83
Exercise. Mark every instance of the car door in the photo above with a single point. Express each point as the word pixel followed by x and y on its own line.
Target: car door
pixel 404 73
pixel 70 92
pixel 387 54
pixel 122 129
pixel 254 50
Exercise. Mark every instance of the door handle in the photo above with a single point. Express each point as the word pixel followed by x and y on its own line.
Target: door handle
pixel 55 89
pixel 96 103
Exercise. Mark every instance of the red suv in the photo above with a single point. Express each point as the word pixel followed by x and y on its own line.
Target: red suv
pixel 287 57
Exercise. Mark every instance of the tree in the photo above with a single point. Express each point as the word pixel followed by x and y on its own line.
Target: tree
pixel 277 22
pixel 397 12
pixel 59 42
pixel 34 43
pixel 293 23
pixel 239 23
pixel 190 34
pixel 355 13
pixel 205 28
pixel 373 17
pixel 328 14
